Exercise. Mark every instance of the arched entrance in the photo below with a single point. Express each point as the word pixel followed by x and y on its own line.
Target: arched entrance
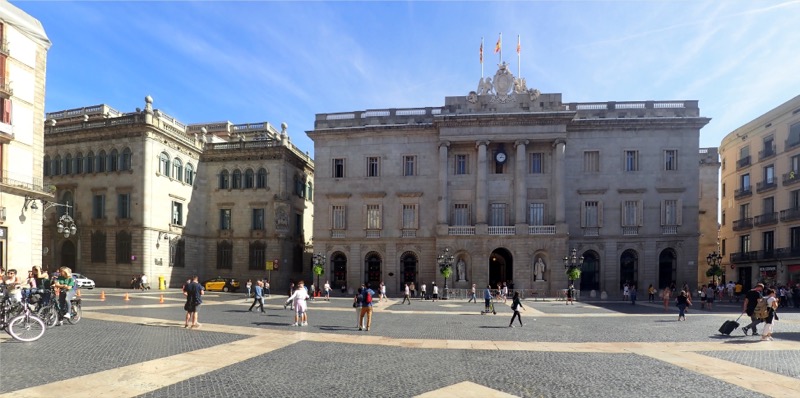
pixel 628 268
pixel 501 267
pixel 590 272
pixel 372 270
pixel 339 264
pixel 408 263
pixel 68 256
pixel 667 268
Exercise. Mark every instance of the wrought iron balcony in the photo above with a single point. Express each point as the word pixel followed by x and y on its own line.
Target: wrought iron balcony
pixel 743 191
pixel 790 214
pixel 766 185
pixel 790 178
pixel 765 219
pixel 767 153
pixel 791 144
pixel 745 223
pixel 743 162
pixel 743 257
pixel 5 87
pixel 787 252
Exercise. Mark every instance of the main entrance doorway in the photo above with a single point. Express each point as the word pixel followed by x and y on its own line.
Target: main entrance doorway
pixel 372 270
pixel 68 256
pixel 667 268
pixel 339 261
pixel 501 268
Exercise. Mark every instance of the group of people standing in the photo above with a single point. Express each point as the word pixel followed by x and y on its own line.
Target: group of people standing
pixel 140 282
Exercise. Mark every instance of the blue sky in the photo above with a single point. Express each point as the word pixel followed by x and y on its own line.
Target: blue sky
pixel 287 61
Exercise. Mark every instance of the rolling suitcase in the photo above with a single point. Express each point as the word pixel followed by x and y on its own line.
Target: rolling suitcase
pixel 729 326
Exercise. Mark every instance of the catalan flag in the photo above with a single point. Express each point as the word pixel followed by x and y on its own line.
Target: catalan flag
pixel 499 44
pixel 519 47
pixel 481 50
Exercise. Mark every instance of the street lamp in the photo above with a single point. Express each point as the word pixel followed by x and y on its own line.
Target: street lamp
pixel 714 260
pixel 65 225
pixel 445 261
pixel 573 264
pixel 319 267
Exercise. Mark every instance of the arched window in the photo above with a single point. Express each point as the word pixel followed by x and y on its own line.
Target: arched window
pixel 177 168
pixel 90 162
pixel 261 178
pixel 189 174
pixel 125 160
pixel 237 179
pixel 101 161
pixel 48 167
pixel 57 165
pixel 79 163
pixel 409 264
pixel 224 179
pixel 249 179
pixel 163 164
pixel 68 164
pixel 113 160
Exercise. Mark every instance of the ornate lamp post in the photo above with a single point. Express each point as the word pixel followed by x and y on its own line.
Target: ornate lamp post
pixel 573 264
pixel 445 261
pixel 65 225
pixel 714 270
pixel 319 267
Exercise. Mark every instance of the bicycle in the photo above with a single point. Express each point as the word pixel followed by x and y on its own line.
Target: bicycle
pixel 23 327
pixel 53 313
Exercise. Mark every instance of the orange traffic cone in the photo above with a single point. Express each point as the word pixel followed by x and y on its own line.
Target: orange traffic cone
pixel 162 299
pixel 103 295
pixel 126 297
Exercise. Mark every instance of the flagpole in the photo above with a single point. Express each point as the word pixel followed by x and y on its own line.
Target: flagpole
pixel 519 71
pixel 481 57
pixel 501 47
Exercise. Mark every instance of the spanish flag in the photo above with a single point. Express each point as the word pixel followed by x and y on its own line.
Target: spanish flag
pixel 498 45
pixel 519 47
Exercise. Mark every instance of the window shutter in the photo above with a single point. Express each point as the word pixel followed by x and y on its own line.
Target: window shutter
pixel 679 212
pixel 599 213
pixel 622 213
pixel 663 211
pixel 583 214
pixel 640 213
pixel 7 111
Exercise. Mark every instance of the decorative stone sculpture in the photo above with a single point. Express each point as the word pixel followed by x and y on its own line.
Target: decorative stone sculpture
pixel 461 274
pixel 539 269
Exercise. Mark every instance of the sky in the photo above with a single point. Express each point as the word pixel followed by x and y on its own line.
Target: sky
pixel 256 61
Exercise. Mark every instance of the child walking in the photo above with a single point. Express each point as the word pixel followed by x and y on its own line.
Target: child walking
pixel 516 305
pixel 298 298
pixel 772 305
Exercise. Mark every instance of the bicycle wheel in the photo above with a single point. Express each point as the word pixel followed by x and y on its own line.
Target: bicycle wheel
pixel 75 314
pixel 26 327
pixel 49 316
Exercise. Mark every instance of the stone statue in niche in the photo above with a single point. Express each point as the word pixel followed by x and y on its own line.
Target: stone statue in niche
pixel 461 272
pixel 539 269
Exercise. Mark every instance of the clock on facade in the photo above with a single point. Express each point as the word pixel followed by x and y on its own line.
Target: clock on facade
pixel 500 157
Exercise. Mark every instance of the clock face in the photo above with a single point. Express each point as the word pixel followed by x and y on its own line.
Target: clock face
pixel 500 157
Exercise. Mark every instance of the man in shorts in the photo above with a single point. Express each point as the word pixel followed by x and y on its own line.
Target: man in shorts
pixel 194 292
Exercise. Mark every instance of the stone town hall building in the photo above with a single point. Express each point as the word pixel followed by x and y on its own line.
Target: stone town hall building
pixel 155 196
pixel 505 176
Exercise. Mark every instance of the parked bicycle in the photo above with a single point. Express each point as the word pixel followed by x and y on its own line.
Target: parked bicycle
pixel 53 313
pixel 19 321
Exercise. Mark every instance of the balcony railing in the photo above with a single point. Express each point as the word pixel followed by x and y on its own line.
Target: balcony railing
pixel 541 230
pixel 743 162
pixel 5 87
pixel 373 233
pixel 669 230
pixel 790 178
pixel 630 231
pixel 787 252
pixel 337 234
pixel 766 153
pixel 461 230
pixel 409 233
pixel 765 219
pixel 591 231
pixel 766 185
pixel 790 214
pixel 743 257
pixel 745 223
pixel 743 191
pixel 502 230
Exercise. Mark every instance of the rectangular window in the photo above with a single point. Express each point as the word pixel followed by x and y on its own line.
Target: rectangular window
pixel 462 165
pixel 769 175
pixel 722 245
pixel 744 211
pixel 794 238
pixel 768 205
pixel 591 213
pixel 670 215
pixel 723 217
pixel 373 167
pixel 177 213
pixel 258 219
pixel 631 160
pixel 6 115
pixel 498 215
pixel 536 214
pixel 338 217
pixel 591 161
pixel 768 240
pixel 224 219
pixel 723 189
pixel 409 165
pixel 537 163
pixel 794 135
pixel 373 216
pixel 744 243
pixel 671 160
pixel 461 214
pixel 794 199
pixel 630 213
pixel 410 216
pixel 98 206
pixel 258 256
pixel 338 168
pixel 298 224
pixel 745 182
pixel 124 205
pixel 795 163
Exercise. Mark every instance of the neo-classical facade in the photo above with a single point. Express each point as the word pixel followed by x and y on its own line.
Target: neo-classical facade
pixel 504 177
pixel 708 221
pixel 154 196
pixel 23 65
pixel 760 232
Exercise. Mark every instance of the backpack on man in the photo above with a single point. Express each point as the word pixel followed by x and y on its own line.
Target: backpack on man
pixel 367 297
pixel 762 310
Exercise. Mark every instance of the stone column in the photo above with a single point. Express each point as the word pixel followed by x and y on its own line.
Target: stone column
pixel 444 201
pixel 558 180
pixel 520 195
pixel 481 201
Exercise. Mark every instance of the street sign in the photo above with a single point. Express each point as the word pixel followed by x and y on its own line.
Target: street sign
pixel 269 265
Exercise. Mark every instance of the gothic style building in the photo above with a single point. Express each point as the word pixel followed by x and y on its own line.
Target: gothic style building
pixel 151 195
pixel 504 177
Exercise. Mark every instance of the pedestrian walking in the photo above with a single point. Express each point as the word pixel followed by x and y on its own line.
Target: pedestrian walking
pixel 665 296
pixel 194 297
pixel 683 301
pixel 473 295
pixel 651 294
pixel 504 292
pixel 357 304
pixel 422 292
pixel 298 299
pixel 406 294
pixel 710 292
pixel 516 305
pixel 625 292
pixel 249 286
pixel 383 292
pixel 366 307
pixel 633 294
pixel 413 289
pixel 772 306
pixel 435 291
pixel 730 287
pixel 327 288
pixel 266 287
pixel 258 298
pixel 749 307
pixel 570 294
pixel 487 298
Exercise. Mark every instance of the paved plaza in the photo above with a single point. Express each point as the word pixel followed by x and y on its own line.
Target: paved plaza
pixel 139 348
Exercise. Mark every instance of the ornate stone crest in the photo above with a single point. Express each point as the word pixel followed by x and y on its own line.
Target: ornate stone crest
pixel 503 84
